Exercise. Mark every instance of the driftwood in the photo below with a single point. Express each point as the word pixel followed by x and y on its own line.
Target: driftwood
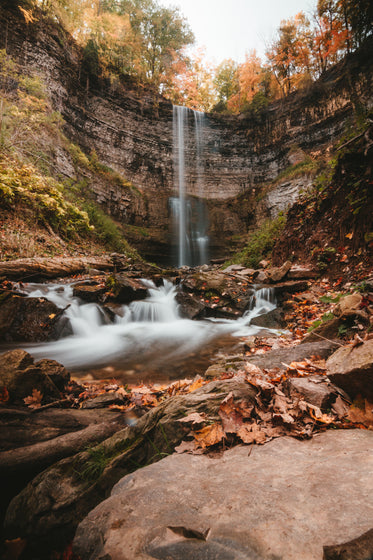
pixel 34 269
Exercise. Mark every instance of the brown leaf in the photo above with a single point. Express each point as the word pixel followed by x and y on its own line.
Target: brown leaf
pixel 34 401
pixel 209 435
pixel 340 408
pixel 252 433
pixel 194 418
pixel 285 418
pixel 232 419
pixel 186 447
pixel 362 413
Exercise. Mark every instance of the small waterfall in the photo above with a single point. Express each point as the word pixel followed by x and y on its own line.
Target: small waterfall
pixel 189 214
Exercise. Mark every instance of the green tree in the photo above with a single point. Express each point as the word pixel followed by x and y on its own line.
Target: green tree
pixel 226 80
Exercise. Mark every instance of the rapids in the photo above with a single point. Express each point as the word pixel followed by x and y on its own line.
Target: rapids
pixel 144 334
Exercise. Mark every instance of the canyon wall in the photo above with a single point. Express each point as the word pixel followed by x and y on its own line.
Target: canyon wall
pixel 131 130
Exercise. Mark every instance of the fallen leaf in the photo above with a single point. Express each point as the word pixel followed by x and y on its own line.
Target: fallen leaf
pixel 196 385
pixel 194 418
pixel 34 401
pixel 252 433
pixel 209 435
pixel 186 447
pixel 349 235
pixel 340 408
pixel 362 413
pixel 231 418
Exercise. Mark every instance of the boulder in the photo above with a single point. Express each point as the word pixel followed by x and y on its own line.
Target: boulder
pixel 276 274
pixel 24 319
pixel 348 305
pixel 87 478
pixel 314 389
pixel 190 305
pixel 351 368
pixel 285 500
pixel 282 356
pixel 128 289
pixel 91 292
pixel 302 273
pixel 291 287
pixel 20 376
pixel 272 320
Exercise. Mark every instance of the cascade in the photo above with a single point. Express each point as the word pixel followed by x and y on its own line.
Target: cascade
pixel 149 333
pixel 189 214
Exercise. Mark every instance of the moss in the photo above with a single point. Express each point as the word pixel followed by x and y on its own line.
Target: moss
pixel 260 243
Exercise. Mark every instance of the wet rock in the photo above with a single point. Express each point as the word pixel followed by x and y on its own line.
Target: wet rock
pixel 128 289
pixel 238 506
pixel 260 276
pixel 357 549
pixel 191 306
pixel 20 375
pixel 91 292
pixel 24 319
pixel 315 389
pixel 272 320
pixel 85 484
pixel 352 370
pixel 282 356
pixel 277 274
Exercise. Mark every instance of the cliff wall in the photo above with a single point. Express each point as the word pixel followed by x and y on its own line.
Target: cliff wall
pixel 131 131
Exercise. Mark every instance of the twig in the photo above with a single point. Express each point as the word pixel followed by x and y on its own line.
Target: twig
pixel 54 404
pixel 328 339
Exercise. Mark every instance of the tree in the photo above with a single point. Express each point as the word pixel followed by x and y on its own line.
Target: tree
pixel 289 56
pixel 249 78
pixel 226 81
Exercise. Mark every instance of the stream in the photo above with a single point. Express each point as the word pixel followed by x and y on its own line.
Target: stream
pixel 146 339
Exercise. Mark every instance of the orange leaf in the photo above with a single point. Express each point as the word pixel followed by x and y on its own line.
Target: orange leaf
pixel 196 385
pixel 34 401
pixel 209 435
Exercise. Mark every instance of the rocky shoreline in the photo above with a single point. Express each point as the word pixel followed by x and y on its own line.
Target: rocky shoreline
pixel 67 444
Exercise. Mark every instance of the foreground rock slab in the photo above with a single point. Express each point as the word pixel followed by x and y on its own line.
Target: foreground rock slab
pixel 285 500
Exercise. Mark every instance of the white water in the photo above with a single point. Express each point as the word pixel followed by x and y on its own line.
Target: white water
pixel 189 217
pixel 145 332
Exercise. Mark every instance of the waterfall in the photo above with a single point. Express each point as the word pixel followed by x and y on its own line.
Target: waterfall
pixel 188 213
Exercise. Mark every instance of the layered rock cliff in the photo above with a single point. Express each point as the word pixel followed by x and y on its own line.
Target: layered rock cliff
pixel 131 132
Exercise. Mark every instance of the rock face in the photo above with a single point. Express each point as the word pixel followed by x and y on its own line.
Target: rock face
pixel 28 319
pixel 20 376
pixel 239 506
pixel 352 370
pixel 132 134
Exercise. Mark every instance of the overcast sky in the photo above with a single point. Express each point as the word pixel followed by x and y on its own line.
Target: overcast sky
pixel 229 28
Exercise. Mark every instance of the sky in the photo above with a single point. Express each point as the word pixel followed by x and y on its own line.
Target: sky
pixel 229 28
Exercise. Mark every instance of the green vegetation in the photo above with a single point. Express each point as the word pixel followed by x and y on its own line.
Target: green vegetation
pixel 22 184
pixel 260 243
pixel 307 167
pixel 30 185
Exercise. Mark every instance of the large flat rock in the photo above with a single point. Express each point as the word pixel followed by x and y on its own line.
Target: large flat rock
pixel 281 501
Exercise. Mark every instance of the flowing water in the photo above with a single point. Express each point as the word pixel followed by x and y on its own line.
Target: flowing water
pixel 189 214
pixel 147 337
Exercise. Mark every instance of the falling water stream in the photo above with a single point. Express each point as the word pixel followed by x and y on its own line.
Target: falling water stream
pixel 189 214
pixel 148 335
